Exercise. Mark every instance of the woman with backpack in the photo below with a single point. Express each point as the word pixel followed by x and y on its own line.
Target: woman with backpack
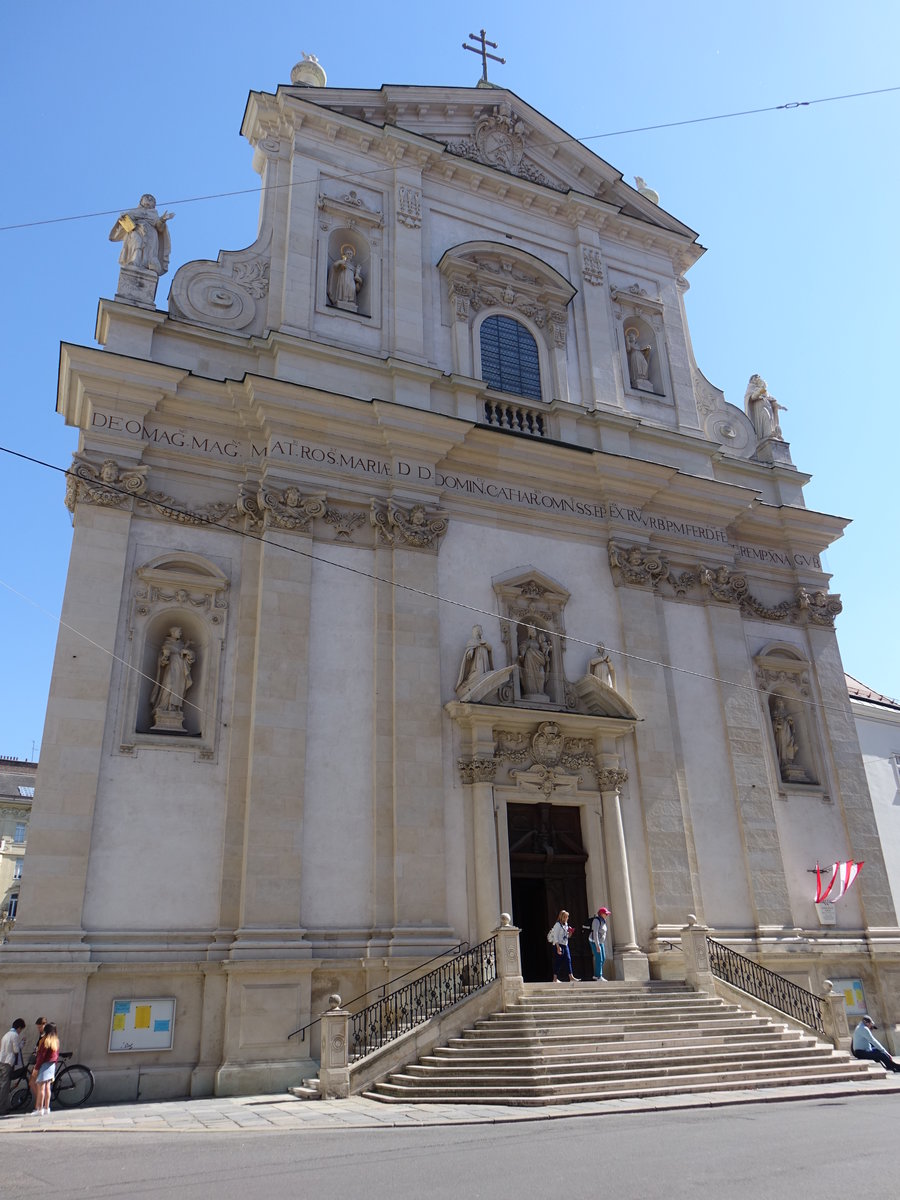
pixel 559 939
pixel 598 942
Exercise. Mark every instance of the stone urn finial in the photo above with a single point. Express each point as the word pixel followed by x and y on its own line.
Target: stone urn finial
pixel 308 72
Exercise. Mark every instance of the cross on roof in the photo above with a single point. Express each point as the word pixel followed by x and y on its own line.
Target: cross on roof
pixel 482 50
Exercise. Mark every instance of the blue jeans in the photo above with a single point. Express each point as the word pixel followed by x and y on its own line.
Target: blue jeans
pixel 599 959
pixel 562 963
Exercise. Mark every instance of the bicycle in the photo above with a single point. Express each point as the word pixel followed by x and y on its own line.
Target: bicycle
pixel 71 1087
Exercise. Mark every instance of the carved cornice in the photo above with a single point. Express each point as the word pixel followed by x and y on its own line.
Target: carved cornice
pixel 639 566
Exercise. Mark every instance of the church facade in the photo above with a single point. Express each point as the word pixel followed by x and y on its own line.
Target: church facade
pixel 427 578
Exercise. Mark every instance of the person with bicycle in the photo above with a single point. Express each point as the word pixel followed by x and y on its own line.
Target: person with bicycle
pixel 12 1046
pixel 45 1068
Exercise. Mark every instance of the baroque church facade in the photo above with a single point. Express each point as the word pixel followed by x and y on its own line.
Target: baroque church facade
pixel 429 579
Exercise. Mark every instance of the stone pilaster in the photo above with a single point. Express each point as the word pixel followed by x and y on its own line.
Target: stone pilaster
pixel 59 836
pixel 407 275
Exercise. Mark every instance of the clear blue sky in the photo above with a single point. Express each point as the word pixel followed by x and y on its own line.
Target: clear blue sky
pixel 797 210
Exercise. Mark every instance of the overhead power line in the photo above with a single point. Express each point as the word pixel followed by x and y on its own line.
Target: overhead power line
pixel 472 608
pixel 590 137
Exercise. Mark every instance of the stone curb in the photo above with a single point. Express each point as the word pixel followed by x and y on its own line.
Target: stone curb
pixel 242 1114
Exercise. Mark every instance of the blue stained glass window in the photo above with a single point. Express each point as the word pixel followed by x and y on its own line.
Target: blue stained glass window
pixel 509 358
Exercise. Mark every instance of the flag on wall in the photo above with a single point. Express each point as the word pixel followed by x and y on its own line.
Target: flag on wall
pixel 843 874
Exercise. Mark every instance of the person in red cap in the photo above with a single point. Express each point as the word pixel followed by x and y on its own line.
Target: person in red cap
pixel 598 941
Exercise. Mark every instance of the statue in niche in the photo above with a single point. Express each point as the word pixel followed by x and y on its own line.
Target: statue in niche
pixel 601 667
pixel 173 681
pixel 638 361
pixel 345 278
pixel 762 409
pixel 478 659
pixel 534 664
pixel 144 235
pixel 786 744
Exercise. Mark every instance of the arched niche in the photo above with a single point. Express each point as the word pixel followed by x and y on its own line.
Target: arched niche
pixel 179 609
pixel 348 246
pixel 786 696
pixel 643 361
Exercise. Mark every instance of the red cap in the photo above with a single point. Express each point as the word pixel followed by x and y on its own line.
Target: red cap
pixel 604 912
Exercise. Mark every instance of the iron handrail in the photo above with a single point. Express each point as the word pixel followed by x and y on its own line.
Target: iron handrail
pixel 765 985
pixel 419 1001
pixel 455 950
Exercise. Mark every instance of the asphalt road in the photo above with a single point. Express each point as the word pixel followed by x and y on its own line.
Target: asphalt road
pixel 835 1147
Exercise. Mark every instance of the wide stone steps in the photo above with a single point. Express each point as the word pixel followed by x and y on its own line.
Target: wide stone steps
pixel 570 1043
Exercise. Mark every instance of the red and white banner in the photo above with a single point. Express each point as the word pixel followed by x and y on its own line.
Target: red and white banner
pixel 843 874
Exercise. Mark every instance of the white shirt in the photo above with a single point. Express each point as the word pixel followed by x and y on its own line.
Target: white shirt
pixel 560 934
pixel 11 1048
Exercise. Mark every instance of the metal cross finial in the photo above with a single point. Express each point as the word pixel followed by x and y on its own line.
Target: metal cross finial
pixel 482 50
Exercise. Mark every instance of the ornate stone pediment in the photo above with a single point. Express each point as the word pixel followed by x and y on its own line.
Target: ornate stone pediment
pixel 499 140
pixel 488 275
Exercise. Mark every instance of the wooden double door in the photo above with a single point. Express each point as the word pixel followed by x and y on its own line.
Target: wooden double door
pixel 547 873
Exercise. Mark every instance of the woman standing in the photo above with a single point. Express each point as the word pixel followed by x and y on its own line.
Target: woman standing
pixel 598 942
pixel 562 958
pixel 45 1066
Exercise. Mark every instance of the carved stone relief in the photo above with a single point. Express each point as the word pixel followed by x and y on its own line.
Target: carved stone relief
pixel 285 508
pixel 409 206
pixel 544 761
pixel 416 526
pixel 639 566
pixel 109 484
pixel 498 140
pixel 592 265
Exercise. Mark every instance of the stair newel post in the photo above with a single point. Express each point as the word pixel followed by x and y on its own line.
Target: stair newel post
pixel 834 1017
pixel 334 1069
pixel 631 962
pixel 697 971
pixel 509 964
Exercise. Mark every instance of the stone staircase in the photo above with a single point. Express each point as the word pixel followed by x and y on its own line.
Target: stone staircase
pixel 563 1043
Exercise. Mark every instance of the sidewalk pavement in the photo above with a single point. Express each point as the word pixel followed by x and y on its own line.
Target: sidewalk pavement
pixel 262 1114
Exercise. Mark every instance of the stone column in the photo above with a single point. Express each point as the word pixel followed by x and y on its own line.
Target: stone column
pixel 478 772
pixel 509 965
pixel 697 973
pixel 334 1035
pixel 631 963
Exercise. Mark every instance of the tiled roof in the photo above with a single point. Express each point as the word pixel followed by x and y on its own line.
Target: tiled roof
pixel 859 691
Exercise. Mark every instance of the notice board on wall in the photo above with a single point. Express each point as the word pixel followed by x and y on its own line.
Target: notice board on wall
pixel 142 1024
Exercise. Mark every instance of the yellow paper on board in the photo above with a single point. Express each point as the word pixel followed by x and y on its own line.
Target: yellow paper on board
pixel 142 1016
pixel 119 1021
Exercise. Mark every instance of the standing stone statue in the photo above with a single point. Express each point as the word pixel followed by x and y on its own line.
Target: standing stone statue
pixel 762 409
pixel 638 361
pixel 173 680
pixel 345 278
pixel 478 659
pixel 534 663
pixel 144 235
pixel 786 744
pixel 601 667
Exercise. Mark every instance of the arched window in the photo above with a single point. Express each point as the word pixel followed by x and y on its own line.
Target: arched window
pixel 509 358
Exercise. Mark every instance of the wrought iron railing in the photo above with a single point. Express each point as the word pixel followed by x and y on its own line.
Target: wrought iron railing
pixel 418 1001
pixel 516 417
pixel 765 985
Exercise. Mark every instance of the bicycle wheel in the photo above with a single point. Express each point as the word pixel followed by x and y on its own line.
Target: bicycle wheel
pixel 73 1085
pixel 20 1099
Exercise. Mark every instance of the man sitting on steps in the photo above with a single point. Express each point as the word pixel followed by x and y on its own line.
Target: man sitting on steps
pixel 866 1046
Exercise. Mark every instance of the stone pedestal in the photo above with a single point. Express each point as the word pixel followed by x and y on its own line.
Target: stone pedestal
pixel 334 1071
pixel 168 721
pixel 509 965
pixel 697 972
pixel 834 1017
pixel 137 286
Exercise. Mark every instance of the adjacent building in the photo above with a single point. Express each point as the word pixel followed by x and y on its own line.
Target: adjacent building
pixel 426 577
pixel 17 778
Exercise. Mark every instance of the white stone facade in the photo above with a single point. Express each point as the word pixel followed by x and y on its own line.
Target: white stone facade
pixel 304 473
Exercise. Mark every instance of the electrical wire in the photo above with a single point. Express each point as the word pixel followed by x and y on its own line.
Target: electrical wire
pixel 538 142
pixel 200 520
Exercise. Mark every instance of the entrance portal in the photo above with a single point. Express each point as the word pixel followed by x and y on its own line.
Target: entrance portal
pixel 546 867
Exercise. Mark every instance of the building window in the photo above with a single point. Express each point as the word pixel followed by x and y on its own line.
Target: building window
pixel 19 836
pixel 13 905
pixel 509 358
pixel 17 869
pixel 26 791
